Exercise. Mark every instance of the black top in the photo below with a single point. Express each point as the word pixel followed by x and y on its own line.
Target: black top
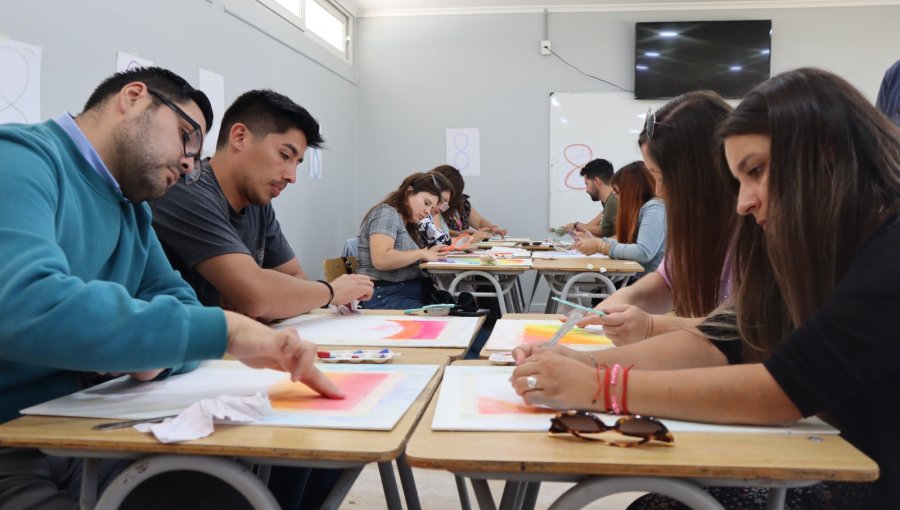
pixel 196 223
pixel 845 360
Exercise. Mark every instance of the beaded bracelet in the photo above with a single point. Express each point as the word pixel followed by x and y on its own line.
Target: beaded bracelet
pixel 625 389
pixel 613 399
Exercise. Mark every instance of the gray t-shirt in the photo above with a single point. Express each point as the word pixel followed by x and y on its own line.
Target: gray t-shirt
pixel 384 219
pixel 196 223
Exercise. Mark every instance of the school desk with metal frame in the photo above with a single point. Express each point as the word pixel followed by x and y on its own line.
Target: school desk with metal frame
pixel 503 279
pixel 524 459
pixel 576 278
pixel 227 454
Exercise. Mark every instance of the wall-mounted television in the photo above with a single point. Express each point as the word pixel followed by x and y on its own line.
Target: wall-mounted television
pixel 672 58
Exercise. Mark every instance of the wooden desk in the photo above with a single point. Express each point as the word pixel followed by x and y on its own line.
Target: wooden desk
pixel 348 450
pixel 777 461
pixel 565 273
pixel 503 279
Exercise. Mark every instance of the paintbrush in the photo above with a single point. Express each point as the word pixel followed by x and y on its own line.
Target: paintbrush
pixel 574 317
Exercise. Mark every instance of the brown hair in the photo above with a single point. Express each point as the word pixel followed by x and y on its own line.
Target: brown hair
pixel 833 178
pixel 634 186
pixel 457 201
pixel 429 182
pixel 700 214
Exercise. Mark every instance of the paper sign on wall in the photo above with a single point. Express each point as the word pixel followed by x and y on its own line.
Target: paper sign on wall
pixel 464 150
pixel 20 82
pixel 213 85
pixel 127 62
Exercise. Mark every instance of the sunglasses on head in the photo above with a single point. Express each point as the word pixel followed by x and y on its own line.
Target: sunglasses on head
pixel 650 123
pixel 638 429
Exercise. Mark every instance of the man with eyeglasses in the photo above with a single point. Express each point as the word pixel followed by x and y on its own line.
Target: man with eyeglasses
pixel 221 231
pixel 86 286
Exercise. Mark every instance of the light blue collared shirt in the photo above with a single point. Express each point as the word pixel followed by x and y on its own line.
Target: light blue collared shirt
pixel 67 122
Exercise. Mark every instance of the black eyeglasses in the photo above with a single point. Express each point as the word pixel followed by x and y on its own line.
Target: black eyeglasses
pixel 192 140
pixel 650 123
pixel 583 424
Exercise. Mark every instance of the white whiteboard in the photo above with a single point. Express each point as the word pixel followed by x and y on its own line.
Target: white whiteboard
pixel 586 126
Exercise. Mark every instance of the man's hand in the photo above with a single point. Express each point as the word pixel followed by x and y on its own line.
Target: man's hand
pixel 259 346
pixel 348 287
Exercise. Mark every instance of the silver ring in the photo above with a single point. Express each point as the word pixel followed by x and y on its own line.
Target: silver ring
pixel 531 381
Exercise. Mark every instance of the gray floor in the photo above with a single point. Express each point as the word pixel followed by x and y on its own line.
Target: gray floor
pixel 437 491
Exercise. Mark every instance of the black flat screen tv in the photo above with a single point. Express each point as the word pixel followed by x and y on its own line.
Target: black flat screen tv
pixel 672 58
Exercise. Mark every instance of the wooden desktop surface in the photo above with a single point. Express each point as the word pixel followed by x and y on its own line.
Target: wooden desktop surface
pixel 248 441
pixel 581 264
pixel 694 455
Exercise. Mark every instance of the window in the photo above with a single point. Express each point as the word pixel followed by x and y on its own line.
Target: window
pixel 326 20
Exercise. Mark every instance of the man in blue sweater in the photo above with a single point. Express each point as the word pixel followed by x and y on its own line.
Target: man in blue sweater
pixel 84 283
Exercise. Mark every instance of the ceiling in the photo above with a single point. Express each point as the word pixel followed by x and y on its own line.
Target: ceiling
pixel 371 8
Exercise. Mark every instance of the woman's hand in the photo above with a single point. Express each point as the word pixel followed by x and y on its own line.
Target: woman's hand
pixel 623 324
pixel 432 254
pixel 560 382
pixel 525 351
pixel 588 246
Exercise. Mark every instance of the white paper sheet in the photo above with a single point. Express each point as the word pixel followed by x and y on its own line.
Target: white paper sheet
pixel 384 330
pixel 127 61
pixel 213 85
pixel 464 150
pixel 462 386
pixel 20 82
pixel 375 405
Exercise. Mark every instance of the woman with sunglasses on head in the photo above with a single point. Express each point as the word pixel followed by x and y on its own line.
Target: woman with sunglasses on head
pixel 461 217
pixel 390 246
pixel 640 221
pixel 815 172
pixel 680 151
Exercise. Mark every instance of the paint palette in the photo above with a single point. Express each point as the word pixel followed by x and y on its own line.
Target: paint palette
pixel 355 356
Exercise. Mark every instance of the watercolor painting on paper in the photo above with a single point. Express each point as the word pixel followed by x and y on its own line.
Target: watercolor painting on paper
pixel 384 330
pixel 482 398
pixel 377 396
pixel 507 334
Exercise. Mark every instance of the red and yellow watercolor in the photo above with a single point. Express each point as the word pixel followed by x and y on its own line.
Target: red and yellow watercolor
pixel 488 405
pixel 357 386
pixel 416 329
pixel 540 333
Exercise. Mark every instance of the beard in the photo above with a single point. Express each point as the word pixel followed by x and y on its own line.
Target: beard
pixel 142 171
pixel 595 196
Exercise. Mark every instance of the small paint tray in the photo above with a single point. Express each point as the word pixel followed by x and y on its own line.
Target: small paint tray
pixel 355 356
pixel 501 358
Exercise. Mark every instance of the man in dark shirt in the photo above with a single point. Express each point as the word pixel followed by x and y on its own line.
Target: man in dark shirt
pixel 221 232
pixel 597 176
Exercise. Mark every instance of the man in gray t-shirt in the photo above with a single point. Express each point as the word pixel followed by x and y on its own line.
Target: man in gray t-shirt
pixel 221 231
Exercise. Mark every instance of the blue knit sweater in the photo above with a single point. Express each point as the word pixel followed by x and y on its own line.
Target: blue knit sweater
pixel 84 283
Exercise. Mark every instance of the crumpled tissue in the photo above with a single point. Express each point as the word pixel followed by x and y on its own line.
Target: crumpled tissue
pixel 197 420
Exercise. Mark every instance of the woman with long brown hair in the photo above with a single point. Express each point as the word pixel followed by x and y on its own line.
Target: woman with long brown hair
pixel 815 173
pixel 680 150
pixel 391 247
pixel 640 221
pixel 460 216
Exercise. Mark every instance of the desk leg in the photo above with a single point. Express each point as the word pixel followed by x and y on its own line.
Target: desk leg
pixel 410 492
pixel 227 470
pixel 483 494
pixel 389 483
pixel 513 494
pixel 531 495
pixel 776 498
pixel 342 487
pixel 592 489
pixel 89 481
pixel 464 502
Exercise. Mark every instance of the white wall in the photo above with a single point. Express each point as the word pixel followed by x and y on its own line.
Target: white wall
pixel 80 41
pixel 419 75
